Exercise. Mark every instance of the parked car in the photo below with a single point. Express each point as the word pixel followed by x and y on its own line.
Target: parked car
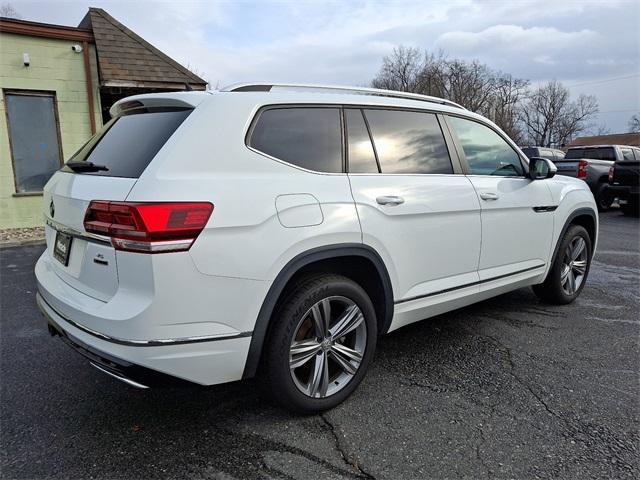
pixel 592 164
pixel 552 154
pixel 279 230
pixel 624 180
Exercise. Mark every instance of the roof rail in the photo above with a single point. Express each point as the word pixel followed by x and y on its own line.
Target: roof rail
pixel 267 87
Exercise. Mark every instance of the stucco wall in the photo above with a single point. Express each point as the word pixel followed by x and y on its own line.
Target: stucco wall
pixel 55 68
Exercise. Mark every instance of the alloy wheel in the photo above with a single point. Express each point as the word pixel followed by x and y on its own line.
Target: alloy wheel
pixel 574 265
pixel 327 347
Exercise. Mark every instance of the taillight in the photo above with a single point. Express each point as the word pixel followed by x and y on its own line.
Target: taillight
pixel 148 227
pixel 582 169
pixel 611 174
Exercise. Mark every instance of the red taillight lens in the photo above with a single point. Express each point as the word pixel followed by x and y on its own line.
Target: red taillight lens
pixel 611 174
pixel 582 169
pixel 148 227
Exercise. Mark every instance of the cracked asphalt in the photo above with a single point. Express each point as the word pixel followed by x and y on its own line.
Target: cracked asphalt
pixel 508 388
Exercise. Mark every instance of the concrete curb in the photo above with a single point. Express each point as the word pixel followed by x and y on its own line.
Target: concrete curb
pixel 22 243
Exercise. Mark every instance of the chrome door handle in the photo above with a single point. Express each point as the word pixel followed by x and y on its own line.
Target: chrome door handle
pixel 390 200
pixel 489 196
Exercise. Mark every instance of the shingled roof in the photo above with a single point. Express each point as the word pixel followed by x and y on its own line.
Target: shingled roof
pixel 127 60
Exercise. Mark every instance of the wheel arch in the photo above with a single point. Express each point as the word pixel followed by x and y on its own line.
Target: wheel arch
pixel 305 262
pixel 585 217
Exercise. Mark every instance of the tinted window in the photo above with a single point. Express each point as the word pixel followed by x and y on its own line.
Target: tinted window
pixel 408 142
pixel 127 144
pixel 34 140
pixel 360 151
pixel 530 152
pixel 627 154
pixel 487 153
pixel 603 153
pixel 307 137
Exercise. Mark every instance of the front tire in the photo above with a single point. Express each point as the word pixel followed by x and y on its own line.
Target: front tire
pixel 603 198
pixel 320 344
pixel 569 270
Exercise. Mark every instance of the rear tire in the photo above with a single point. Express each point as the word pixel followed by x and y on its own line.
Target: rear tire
pixel 602 198
pixel 570 268
pixel 321 342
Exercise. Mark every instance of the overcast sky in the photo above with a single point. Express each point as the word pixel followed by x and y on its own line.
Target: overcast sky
pixel 591 46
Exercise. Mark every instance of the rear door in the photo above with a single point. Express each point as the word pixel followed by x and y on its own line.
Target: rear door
pixel 415 207
pixel 121 150
pixel 516 212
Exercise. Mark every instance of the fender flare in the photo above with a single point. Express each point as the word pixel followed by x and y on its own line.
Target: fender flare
pixel 567 223
pixel 290 269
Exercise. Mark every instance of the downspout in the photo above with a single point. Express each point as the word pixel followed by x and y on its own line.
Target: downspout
pixel 89 82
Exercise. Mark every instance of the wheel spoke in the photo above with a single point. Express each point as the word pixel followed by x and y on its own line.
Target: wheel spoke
pixel 350 320
pixel 578 247
pixel 346 357
pixel 564 275
pixel 303 351
pixel 319 324
pixel 580 267
pixel 572 282
pixel 320 377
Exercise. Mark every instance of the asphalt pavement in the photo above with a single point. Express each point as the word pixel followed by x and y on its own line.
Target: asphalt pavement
pixel 508 388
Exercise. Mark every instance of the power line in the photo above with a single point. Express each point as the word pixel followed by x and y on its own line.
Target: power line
pixel 605 80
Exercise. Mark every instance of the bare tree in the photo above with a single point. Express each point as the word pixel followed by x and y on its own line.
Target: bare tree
pixel 634 123
pixel 471 84
pixel 550 118
pixel 7 10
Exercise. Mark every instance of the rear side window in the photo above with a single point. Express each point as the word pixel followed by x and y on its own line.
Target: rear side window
pixel 627 155
pixel 408 142
pixel 362 158
pixel 307 137
pixel 487 153
pixel 127 144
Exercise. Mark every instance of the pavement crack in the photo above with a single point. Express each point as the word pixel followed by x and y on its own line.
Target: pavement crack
pixel 351 462
pixel 479 455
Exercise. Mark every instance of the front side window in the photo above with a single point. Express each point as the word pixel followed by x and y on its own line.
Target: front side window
pixel 34 139
pixel 487 153
pixel 408 142
pixel 307 137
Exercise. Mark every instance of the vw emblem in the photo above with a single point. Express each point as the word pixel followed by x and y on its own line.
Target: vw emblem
pixel 52 209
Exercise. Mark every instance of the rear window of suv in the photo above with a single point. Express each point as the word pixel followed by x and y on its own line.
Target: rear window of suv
pixel 127 143
pixel 605 153
pixel 307 137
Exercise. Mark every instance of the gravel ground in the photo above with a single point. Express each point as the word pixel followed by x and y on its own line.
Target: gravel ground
pixel 508 388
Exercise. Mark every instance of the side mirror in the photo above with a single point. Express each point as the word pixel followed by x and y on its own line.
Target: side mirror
pixel 540 168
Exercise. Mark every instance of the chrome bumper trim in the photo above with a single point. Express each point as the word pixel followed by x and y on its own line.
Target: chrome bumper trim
pixel 126 380
pixel 134 343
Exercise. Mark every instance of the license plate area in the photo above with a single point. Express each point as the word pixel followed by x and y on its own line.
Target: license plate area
pixel 62 248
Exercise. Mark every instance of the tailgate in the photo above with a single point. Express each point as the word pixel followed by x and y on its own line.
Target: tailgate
pixel 90 261
pixel 568 168
pixel 626 173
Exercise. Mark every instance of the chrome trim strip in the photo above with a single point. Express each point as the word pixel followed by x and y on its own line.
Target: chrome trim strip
pixel 135 343
pixel 466 285
pixel 121 378
pixel 89 237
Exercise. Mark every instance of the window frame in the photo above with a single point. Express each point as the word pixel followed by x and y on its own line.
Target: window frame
pixel 264 108
pixel 463 159
pixel 456 162
pixel 30 93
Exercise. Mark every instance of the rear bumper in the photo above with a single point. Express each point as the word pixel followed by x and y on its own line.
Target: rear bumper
pixel 623 192
pixel 203 363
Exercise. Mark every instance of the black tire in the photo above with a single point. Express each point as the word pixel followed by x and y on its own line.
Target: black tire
pixel 275 375
pixel 602 197
pixel 552 290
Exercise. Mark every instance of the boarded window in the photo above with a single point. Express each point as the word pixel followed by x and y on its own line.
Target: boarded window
pixel 35 140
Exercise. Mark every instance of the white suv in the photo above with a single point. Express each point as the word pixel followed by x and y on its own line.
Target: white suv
pixel 278 230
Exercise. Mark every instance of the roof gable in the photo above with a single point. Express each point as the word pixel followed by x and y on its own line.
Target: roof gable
pixel 126 59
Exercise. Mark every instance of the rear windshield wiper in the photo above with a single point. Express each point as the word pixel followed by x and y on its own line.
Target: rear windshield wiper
pixel 84 166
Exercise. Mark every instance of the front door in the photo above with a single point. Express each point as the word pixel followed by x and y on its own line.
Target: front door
pixel 415 210
pixel 516 212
